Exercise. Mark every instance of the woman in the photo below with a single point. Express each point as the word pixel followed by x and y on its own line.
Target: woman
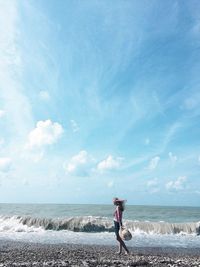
pixel 119 203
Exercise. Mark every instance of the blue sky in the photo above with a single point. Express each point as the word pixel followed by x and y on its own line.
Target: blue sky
pixel 100 99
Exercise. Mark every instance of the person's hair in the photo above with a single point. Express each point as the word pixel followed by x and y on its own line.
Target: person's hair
pixel 119 203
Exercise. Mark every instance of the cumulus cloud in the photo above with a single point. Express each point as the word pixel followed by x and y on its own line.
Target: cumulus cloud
pixel 79 164
pixel 45 133
pixel 172 157
pixel 74 126
pixel 109 163
pixel 176 185
pixel 44 95
pixel 5 164
pixel 154 163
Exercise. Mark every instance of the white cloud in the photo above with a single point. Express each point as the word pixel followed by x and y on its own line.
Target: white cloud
pixel 5 164
pixel 154 163
pixel 2 113
pixel 109 163
pixel 8 32
pixel 172 157
pixel 17 106
pixel 169 135
pixel 74 126
pixel 44 95
pixel 177 185
pixel 199 159
pixel 45 133
pixel 79 164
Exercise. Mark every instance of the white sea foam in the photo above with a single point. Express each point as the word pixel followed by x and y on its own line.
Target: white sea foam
pixel 15 224
pixel 103 238
pixel 92 224
pixel 49 223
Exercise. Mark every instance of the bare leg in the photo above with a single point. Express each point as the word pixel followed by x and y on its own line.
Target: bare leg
pixel 122 244
pixel 120 249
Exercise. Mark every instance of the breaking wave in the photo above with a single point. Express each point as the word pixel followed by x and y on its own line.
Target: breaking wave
pixel 92 224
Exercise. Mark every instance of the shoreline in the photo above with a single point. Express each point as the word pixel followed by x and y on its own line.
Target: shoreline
pixel 17 253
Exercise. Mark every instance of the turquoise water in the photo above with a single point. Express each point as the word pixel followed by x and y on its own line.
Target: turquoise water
pixel 93 224
pixel 141 213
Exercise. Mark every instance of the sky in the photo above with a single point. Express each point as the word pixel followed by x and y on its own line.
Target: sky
pixel 100 99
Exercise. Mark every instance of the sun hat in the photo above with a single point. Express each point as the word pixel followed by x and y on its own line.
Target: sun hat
pixel 116 199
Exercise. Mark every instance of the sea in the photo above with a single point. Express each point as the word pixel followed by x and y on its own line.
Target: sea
pixel 151 226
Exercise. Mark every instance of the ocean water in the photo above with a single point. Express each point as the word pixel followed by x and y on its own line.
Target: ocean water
pixel 151 226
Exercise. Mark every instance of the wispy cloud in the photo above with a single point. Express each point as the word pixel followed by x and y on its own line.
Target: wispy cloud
pixel 172 158
pixel 154 163
pixel 17 106
pixel 80 164
pixel 169 135
pixel 118 83
pixel 177 185
pixel 74 126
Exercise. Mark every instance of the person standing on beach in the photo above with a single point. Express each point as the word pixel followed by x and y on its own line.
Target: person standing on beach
pixel 119 203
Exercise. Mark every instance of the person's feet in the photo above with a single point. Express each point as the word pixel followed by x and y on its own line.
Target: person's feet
pixel 126 253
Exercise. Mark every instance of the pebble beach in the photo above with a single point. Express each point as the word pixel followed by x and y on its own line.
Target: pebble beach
pixel 33 254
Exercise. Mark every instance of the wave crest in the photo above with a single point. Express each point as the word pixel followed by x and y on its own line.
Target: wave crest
pixel 76 224
pixel 93 224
